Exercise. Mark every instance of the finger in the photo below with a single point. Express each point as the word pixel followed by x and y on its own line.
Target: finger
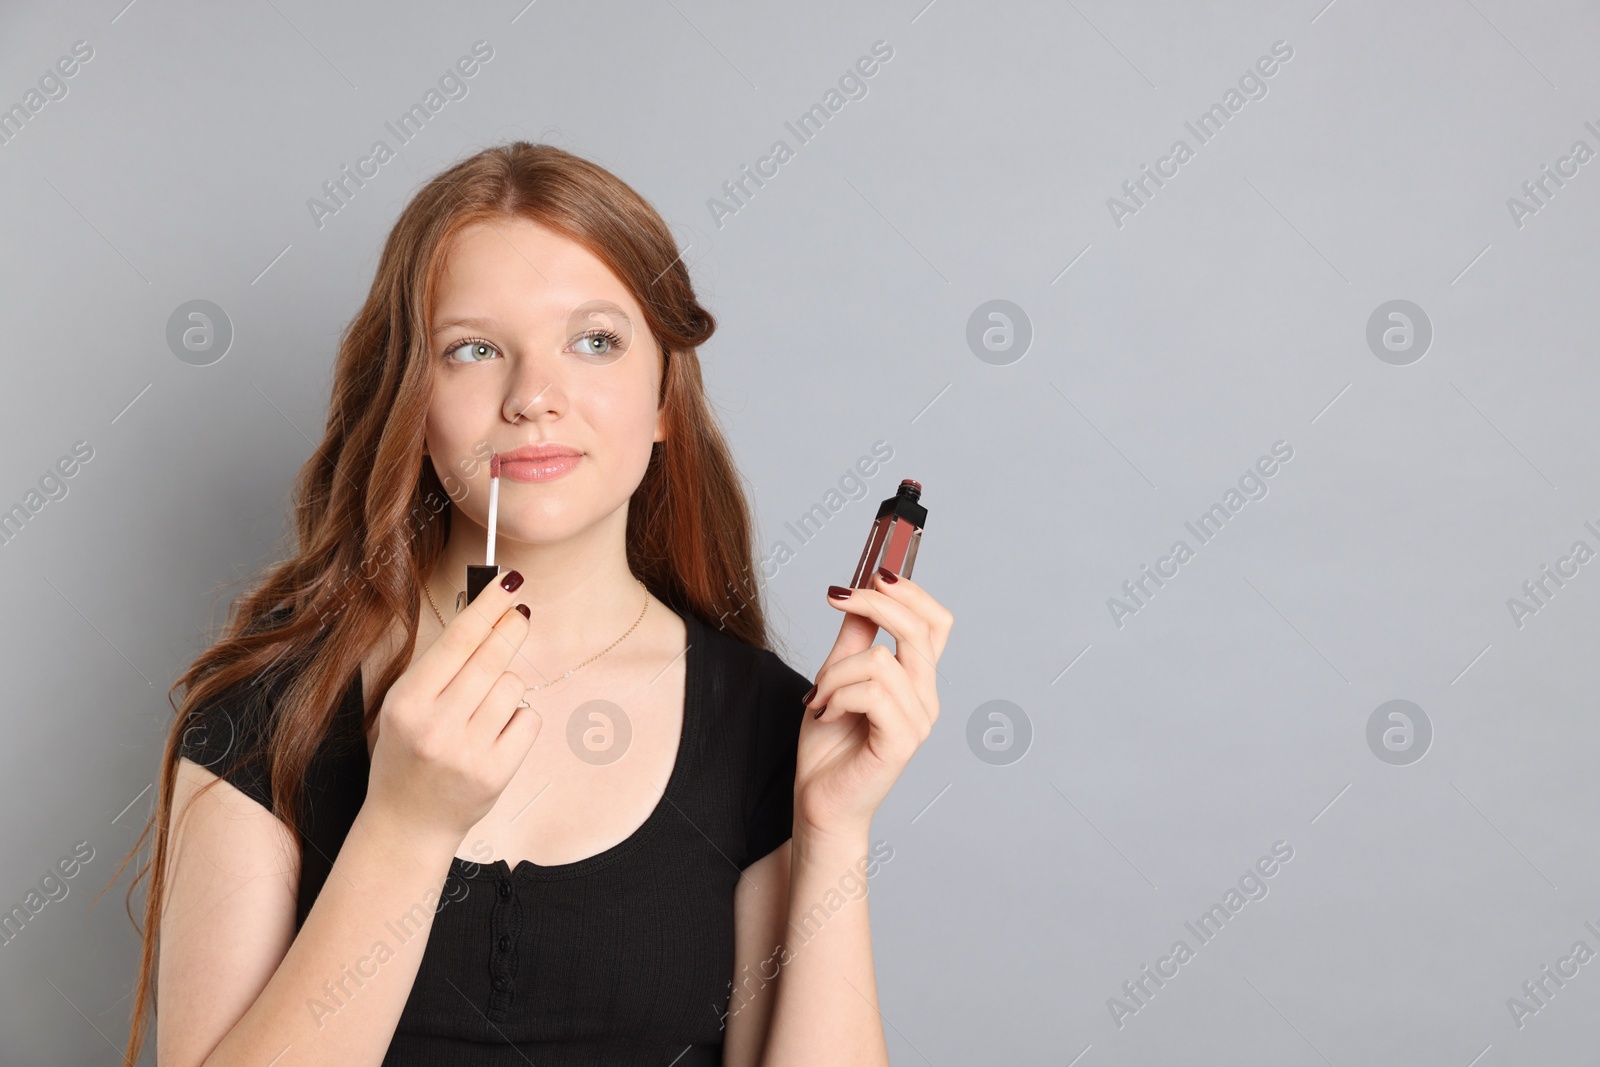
pixel 856 632
pixel 495 710
pixel 483 669
pixel 441 661
pixel 512 746
pixel 877 663
pixel 909 630
pixel 890 732
pixel 909 593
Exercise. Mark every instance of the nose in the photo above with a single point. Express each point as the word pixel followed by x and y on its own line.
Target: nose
pixel 533 394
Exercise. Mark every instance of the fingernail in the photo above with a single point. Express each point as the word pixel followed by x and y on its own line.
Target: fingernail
pixel 511 581
pixel 888 575
pixel 838 592
pixel 819 712
pixel 809 694
pixel 524 609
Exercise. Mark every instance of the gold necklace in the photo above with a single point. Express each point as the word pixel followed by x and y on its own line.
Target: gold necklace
pixel 586 662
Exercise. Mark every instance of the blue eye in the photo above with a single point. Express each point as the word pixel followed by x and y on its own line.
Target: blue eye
pixel 602 344
pixel 477 346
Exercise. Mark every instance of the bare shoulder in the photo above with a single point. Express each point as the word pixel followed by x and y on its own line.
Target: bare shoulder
pixel 229 904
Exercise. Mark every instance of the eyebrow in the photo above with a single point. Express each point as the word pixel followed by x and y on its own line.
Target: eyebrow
pixel 482 324
pixel 489 323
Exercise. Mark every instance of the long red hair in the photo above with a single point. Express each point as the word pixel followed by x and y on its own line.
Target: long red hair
pixel 370 519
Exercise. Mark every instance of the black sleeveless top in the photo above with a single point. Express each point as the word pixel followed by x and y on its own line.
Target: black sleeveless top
pixel 622 958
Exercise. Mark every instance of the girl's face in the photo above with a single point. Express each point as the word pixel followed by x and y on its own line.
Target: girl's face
pixel 535 341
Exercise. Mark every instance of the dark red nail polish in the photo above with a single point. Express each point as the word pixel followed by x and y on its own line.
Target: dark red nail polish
pixel 819 712
pixel 838 592
pixel 526 614
pixel 511 581
pixel 809 694
pixel 888 575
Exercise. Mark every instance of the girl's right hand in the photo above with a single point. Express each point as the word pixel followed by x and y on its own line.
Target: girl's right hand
pixel 450 734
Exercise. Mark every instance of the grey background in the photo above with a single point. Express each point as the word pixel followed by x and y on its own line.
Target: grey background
pixel 1229 313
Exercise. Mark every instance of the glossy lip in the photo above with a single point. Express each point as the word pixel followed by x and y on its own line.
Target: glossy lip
pixel 542 451
pixel 538 462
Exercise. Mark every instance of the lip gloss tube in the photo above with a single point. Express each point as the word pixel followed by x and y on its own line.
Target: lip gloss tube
pixel 896 533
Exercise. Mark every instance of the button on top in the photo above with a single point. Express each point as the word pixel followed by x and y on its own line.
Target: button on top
pixel 505 942
pixel 500 982
pixel 505 890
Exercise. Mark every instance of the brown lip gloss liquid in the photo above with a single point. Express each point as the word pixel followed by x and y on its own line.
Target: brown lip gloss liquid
pixel 896 533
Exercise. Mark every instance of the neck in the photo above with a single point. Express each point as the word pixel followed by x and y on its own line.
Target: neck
pixel 580 592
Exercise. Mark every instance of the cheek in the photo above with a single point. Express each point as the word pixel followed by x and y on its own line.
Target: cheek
pixel 623 424
pixel 457 423
pixel 624 416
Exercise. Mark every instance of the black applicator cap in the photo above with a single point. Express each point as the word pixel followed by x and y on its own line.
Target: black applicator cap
pixel 479 575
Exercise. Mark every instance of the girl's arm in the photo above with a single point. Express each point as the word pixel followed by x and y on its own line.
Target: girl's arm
pixel 236 985
pixel 760 914
pixel 825 1002
pixel 875 709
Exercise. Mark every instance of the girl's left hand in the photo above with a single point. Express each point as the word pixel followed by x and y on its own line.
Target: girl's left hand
pixel 879 707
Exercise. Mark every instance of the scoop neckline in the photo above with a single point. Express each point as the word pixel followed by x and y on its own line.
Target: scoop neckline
pixel 688 746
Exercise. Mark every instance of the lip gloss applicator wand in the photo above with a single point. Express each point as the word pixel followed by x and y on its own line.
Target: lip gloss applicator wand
pixel 479 575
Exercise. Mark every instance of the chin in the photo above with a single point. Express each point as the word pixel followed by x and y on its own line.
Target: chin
pixel 553 520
